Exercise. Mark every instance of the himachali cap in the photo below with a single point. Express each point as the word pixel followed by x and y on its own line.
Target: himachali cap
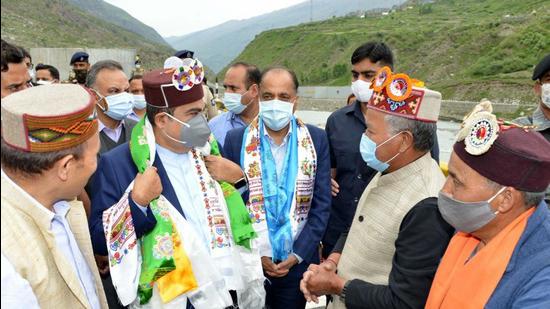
pixel 48 118
pixel 503 152
pixel 177 84
pixel 400 95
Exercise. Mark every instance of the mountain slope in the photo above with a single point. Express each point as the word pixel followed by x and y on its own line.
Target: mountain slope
pixel 467 49
pixel 218 45
pixel 119 17
pixel 57 23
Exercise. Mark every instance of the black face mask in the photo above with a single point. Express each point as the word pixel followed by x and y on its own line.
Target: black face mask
pixel 80 75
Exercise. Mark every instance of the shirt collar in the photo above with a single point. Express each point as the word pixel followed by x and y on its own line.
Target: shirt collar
pixel 235 117
pixel 169 154
pixel 540 121
pixel 355 109
pixel 348 109
pixel 406 171
pixel 101 126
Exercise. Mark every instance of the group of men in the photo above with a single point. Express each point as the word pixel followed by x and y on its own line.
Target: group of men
pixel 119 192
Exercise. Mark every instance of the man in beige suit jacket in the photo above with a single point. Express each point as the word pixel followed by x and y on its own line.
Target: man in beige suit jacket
pixel 49 150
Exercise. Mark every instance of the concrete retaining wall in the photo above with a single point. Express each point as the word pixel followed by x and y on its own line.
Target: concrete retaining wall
pixel 322 92
pixel 449 108
pixel 60 57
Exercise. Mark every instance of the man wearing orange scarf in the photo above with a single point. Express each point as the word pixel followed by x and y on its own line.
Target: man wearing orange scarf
pixel 500 256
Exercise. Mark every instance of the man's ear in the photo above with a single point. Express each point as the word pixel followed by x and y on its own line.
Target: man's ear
pixel 537 88
pixel 64 165
pixel 160 120
pixel 408 141
pixel 507 199
pixel 295 107
pixel 254 90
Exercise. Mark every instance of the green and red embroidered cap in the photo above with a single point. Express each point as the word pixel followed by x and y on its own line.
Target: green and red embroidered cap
pixel 48 118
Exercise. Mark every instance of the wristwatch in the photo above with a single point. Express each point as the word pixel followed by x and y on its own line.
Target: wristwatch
pixel 344 291
pixel 241 184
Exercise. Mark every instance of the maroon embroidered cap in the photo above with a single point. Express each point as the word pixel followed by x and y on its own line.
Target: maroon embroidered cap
pixel 517 158
pixel 161 90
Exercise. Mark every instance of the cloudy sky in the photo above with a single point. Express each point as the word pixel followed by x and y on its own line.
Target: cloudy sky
pixel 178 17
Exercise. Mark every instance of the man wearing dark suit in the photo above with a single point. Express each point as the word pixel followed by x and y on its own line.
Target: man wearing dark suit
pixel 172 171
pixel 107 80
pixel 290 201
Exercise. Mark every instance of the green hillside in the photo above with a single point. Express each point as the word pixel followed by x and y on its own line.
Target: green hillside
pixel 56 23
pixel 112 14
pixel 467 49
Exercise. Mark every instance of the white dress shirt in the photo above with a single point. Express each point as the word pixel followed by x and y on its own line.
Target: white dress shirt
pixel 65 241
pixel 180 171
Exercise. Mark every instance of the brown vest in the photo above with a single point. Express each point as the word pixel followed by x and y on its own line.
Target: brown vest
pixel 30 247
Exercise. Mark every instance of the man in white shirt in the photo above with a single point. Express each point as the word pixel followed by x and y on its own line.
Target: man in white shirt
pixel 49 150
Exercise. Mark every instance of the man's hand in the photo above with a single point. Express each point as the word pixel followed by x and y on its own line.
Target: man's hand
pixel 312 269
pixel 273 269
pixel 222 169
pixel 321 280
pixel 289 262
pixel 335 187
pixel 102 264
pixel 147 187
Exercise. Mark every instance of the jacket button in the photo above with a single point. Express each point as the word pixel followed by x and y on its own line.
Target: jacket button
pixel 356 200
pixel 361 218
pixel 359 176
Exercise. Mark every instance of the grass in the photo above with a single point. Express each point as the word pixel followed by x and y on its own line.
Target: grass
pixel 56 23
pixel 467 49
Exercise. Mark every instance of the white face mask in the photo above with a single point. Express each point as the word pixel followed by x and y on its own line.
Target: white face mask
pixel 44 82
pixel 545 94
pixel 361 90
pixel 32 73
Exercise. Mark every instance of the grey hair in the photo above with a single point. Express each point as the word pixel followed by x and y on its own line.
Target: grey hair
pixel 530 199
pixel 100 66
pixel 423 132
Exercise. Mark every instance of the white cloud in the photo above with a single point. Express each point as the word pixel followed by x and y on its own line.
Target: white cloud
pixel 178 17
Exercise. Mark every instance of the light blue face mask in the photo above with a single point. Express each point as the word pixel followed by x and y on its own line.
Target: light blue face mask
pixel 139 101
pixel 276 114
pixel 232 102
pixel 368 147
pixel 119 105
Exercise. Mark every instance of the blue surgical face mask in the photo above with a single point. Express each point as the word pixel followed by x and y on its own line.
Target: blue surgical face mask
pixel 119 105
pixel 368 148
pixel 276 114
pixel 232 102
pixel 139 101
